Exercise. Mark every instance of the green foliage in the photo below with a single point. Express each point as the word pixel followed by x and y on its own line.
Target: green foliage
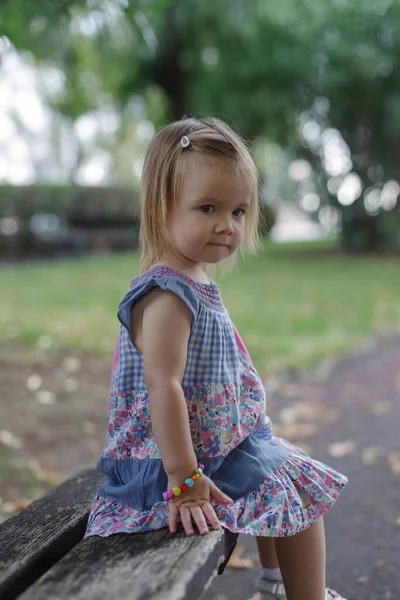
pixel 258 65
pixel 378 233
pixel 255 64
pixel 267 218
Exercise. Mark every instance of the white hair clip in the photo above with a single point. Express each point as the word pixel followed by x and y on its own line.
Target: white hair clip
pixel 185 142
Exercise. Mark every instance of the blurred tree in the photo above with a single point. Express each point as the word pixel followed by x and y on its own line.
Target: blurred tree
pixel 262 66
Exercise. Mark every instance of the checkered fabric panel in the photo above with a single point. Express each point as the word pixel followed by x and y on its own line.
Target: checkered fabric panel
pixel 213 355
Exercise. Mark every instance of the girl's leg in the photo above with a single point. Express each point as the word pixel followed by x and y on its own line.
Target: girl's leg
pixel 267 552
pixel 302 562
pixel 269 570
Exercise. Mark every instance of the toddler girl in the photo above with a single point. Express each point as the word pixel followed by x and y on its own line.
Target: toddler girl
pixel 188 436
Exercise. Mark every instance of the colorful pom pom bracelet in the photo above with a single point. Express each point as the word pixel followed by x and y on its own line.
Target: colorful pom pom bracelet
pixel 183 487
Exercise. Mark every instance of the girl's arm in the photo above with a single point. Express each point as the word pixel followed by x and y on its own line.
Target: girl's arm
pixel 165 331
pixel 163 340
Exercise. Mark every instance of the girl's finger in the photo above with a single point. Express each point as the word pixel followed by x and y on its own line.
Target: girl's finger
pixel 199 519
pixel 173 517
pixel 186 518
pixel 211 516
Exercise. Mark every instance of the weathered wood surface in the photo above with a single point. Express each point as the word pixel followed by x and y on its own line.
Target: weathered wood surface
pixel 36 538
pixel 157 566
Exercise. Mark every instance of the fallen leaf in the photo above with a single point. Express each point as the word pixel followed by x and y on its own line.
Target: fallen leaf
pixel 290 390
pixel 8 508
pixel 9 439
pixel 287 416
pixel 313 393
pixel 32 463
pixel 381 408
pixel 339 449
pixel 34 383
pixel 46 475
pixel 303 445
pixel 52 477
pixel 88 427
pixel 21 503
pixel 72 364
pixel 44 342
pixel 379 563
pixel 237 562
pixel 46 397
pixel 70 384
pixel 292 431
pixel 394 462
pixel 371 454
pixel 308 411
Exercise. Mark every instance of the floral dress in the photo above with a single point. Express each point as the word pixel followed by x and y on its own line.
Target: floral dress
pixel 277 489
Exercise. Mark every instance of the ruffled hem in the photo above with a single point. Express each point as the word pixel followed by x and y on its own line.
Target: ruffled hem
pixel 290 500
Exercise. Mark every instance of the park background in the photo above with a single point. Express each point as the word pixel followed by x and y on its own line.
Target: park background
pixel 315 90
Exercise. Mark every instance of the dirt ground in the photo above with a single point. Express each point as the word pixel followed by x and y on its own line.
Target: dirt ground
pixel 53 412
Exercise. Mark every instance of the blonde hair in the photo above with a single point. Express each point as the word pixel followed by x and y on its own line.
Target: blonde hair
pixel 163 174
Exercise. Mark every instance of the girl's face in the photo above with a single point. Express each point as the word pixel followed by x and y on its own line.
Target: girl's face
pixel 207 225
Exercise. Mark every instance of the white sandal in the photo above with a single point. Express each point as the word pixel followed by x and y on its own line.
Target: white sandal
pixel 276 588
pixel 266 586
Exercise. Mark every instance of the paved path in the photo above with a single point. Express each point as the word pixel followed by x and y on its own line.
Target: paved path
pixel 359 404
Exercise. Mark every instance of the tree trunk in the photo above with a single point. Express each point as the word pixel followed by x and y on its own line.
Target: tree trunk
pixel 360 233
pixel 169 74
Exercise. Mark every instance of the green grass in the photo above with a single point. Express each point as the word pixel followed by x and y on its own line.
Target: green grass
pixel 292 306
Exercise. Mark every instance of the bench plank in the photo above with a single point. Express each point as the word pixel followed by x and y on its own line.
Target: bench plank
pixel 154 565
pixel 36 538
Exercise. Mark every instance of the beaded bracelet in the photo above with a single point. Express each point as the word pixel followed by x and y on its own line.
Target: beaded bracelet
pixel 183 487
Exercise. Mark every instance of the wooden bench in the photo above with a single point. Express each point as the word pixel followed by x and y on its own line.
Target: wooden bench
pixel 43 555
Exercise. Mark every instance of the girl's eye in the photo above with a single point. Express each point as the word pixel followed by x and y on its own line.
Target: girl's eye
pixel 239 212
pixel 207 209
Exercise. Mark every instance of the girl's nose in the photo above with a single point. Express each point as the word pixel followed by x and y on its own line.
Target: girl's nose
pixel 225 226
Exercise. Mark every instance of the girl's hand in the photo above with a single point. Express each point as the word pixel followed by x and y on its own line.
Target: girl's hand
pixel 194 505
